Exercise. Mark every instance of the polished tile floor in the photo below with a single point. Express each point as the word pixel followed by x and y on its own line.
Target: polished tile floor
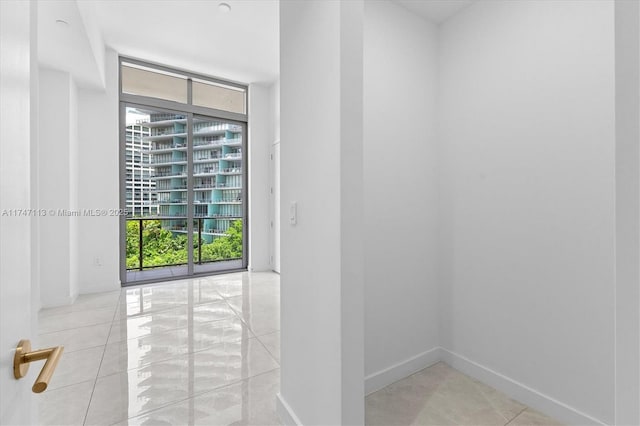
pixel 440 395
pixel 206 351
pixel 197 351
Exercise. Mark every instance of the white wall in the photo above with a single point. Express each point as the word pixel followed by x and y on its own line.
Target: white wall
pixel 274 206
pixel 78 168
pixel 74 177
pixel 98 183
pixel 260 126
pixel 322 364
pixel 88 13
pixel 527 207
pixel 627 15
pixel 34 190
pixel 310 274
pixel 274 176
pixel 56 148
pixel 352 229
pixel 401 306
pixel 17 402
pixel 275 110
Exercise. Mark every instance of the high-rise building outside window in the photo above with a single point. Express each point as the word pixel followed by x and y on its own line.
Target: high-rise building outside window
pixel 141 194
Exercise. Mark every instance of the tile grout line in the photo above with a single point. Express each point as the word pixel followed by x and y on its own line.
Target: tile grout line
pixel 478 387
pixel 82 307
pixel 240 339
pixel 197 395
pixel 267 349
pixel 73 328
pixel 217 389
pixel 245 322
pixel 178 306
pixel 171 330
pixel 173 357
pixel 115 317
pixel 104 350
pixel 516 416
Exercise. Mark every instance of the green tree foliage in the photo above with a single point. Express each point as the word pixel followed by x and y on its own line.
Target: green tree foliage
pixel 163 247
pixel 133 229
pixel 224 248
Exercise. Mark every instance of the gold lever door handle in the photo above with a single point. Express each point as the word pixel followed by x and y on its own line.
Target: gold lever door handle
pixel 24 356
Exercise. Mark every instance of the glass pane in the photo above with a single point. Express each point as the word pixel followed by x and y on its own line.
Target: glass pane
pixel 164 242
pixel 154 243
pixel 144 82
pixel 156 192
pixel 157 185
pixel 221 97
pixel 156 162
pixel 217 193
pixel 133 244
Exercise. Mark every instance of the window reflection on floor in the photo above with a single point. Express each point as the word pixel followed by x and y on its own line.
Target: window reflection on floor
pixel 197 351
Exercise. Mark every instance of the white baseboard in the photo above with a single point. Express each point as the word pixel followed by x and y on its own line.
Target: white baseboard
pixel 518 391
pixel 515 390
pixel 286 414
pixel 382 378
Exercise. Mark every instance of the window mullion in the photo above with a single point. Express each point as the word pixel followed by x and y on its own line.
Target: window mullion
pixel 190 204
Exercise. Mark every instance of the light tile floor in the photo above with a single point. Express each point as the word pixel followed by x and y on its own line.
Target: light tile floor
pixel 194 351
pixel 440 395
pixel 206 351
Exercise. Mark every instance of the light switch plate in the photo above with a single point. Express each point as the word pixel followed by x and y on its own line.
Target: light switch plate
pixel 293 212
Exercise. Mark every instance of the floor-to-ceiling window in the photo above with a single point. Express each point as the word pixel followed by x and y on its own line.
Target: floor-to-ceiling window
pixel 183 173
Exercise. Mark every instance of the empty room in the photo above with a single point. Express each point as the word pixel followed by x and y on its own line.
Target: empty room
pixel 322 212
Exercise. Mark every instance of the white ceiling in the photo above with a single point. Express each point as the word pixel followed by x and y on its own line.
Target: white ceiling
pixel 66 47
pixel 435 10
pixel 240 45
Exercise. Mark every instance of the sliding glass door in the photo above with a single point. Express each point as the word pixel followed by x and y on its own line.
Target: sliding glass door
pixel 183 174
pixel 185 194
pixel 156 194
pixel 218 194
